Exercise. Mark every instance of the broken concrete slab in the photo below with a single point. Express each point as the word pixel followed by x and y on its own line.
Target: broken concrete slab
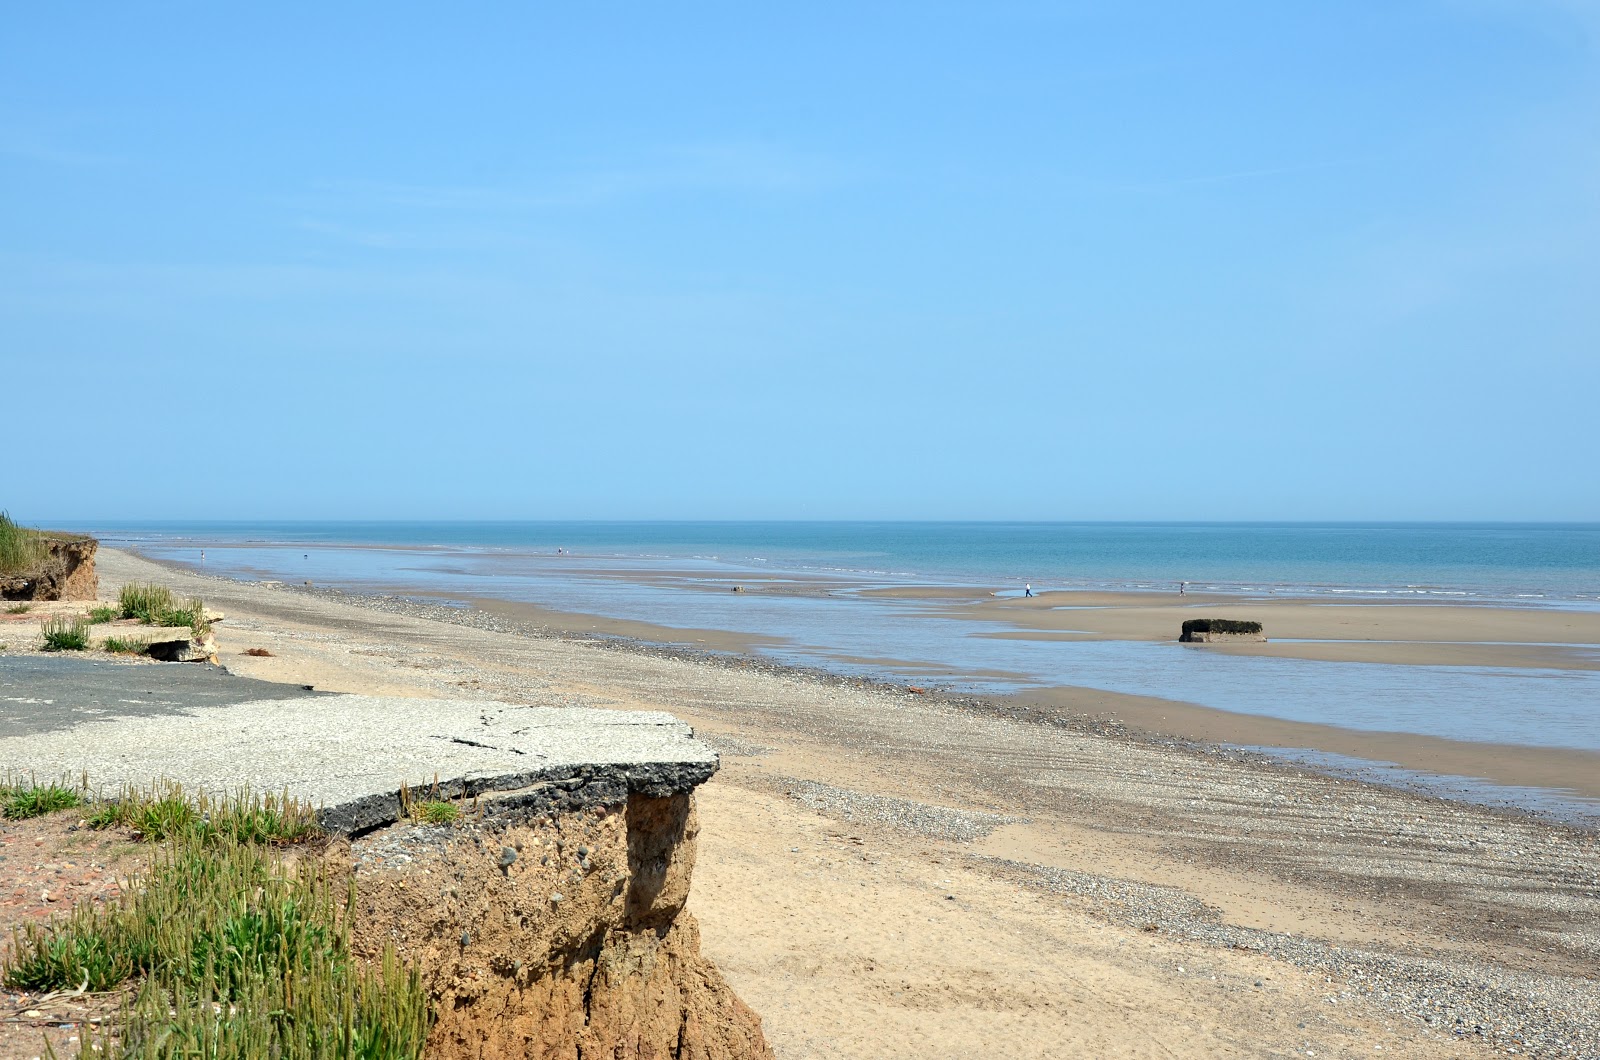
pixel 348 754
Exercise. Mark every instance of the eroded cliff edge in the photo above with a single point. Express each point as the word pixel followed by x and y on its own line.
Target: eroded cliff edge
pixel 554 934
pixel 547 917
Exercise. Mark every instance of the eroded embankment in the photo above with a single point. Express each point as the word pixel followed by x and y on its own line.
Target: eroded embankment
pixel 63 570
pixel 544 933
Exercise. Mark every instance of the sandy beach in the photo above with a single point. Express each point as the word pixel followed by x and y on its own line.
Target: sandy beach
pixel 886 874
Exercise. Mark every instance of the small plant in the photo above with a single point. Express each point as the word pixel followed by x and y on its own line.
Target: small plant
pixel 35 800
pixel 432 812
pixel 145 602
pixel 124 646
pixel 101 615
pixel 64 633
pixel 77 952
pixel 19 609
pixel 154 605
pixel 192 614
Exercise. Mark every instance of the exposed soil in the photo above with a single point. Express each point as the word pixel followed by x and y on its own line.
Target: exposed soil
pixel 67 574
pixel 48 865
pixel 555 937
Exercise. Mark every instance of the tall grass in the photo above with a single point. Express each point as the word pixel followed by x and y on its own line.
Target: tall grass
pixel 239 954
pixel 144 602
pixel 21 550
pixel 64 633
pixel 154 605
pixel 164 811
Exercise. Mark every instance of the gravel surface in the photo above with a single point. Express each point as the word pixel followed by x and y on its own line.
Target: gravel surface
pixel 855 807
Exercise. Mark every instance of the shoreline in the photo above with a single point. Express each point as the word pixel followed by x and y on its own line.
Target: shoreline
pixel 1568 775
pixel 892 875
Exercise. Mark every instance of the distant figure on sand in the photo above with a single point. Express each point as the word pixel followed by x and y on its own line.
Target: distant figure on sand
pixel 1027 588
pixel 1181 587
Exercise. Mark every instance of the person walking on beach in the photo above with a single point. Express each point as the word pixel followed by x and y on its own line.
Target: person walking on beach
pixel 1181 587
pixel 1027 588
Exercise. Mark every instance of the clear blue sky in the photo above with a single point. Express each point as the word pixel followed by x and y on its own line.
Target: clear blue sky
pixel 1080 261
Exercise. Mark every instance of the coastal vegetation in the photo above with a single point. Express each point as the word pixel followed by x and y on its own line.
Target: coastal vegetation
pixel 21 549
pixel 434 812
pixel 64 633
pixel 154 605
pixel 230 949
pixel 125 646
pixel 18 802
pixel 105 613
pixel 166 810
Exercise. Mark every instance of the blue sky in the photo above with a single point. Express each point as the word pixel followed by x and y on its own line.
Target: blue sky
pixel 1077 261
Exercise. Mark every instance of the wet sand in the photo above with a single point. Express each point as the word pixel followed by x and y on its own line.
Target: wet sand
pixel 1572 771
pixel 1404 632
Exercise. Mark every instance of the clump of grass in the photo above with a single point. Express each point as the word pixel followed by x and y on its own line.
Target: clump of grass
pixel 100 615
pixel 21 549
pixel 165 811
pixel 240 956
pixel 154 605
pixel 191 613
pixel 428 805
pixel 64 633
pixel 19 609
pixel 144 601
pixel 124 646
pixel 21 801
pixel 435 812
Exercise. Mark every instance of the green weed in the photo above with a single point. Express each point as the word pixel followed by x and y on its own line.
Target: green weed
pixel 64 633
pixel 164 812
pixel 103 614
pixel 19 609
pixel 34 800
pixel 144 601
pixel 437 812
pixel 124 646
pixel 154 605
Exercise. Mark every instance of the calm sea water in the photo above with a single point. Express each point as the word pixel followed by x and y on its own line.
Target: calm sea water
pixel 1521 563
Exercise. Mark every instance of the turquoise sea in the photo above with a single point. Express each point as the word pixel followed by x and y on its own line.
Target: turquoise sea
pixel 676 575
